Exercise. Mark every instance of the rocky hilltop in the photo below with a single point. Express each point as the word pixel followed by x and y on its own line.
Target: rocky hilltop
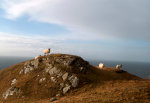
pixel 54 77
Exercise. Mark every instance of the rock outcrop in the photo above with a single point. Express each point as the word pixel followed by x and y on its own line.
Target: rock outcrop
pixel 29 66
pixel 58 71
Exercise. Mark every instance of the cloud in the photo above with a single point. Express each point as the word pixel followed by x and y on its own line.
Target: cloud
pixel 103 19
pixel 16 45
pixel 27 46
pixel 121 28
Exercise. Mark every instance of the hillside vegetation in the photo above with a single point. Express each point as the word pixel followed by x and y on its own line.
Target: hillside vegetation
pixel 63 78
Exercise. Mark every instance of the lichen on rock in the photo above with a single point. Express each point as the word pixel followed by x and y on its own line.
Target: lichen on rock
pixel 65 76
pixel 13 81
pixel 41 80
pixel 53 99
pixel 74 80
pixel 61 86
pixel 53 79
pixel 66 88
pixel 10 91
pixel 54 71
pixel 29 66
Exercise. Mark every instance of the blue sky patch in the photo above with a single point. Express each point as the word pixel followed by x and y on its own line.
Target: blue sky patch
pixel 24 26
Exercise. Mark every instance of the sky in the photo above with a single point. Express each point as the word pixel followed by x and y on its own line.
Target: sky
pixel 92 29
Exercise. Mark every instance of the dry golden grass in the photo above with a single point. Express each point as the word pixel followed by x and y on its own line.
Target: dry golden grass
pixel 97 86
pixel 109 92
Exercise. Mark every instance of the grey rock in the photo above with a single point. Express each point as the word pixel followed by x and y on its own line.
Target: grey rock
pixel 48 67
pixel 28 69
pixel 54 70
pixel 58 95
pixel 59 60
pixel 37 57
pixel 66 89
pixel 30 66
pixel 68 62
pixel 27 63
pixel 43 59
pixel 47 59
pixel 74 81
pixel 71 77
pixel 13 81
pixel 47 70
pixel 59 74
pixel 65 76
pixel 65 60
pixel 83 69
pixel 61 86
pixel 41 80
pixel 36 63
pixel 10 91
pixel 21 71
pixel 53 99
pixel 53 79
pixel 32 62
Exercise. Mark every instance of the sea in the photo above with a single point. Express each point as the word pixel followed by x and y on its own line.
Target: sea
pixel 141 69
pixel 6 61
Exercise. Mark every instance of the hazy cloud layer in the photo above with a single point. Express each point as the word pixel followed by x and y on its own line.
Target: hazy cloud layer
pixel 16 45
pixel 125 19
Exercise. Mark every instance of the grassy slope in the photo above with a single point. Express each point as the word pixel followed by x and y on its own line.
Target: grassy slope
pixel 103 86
